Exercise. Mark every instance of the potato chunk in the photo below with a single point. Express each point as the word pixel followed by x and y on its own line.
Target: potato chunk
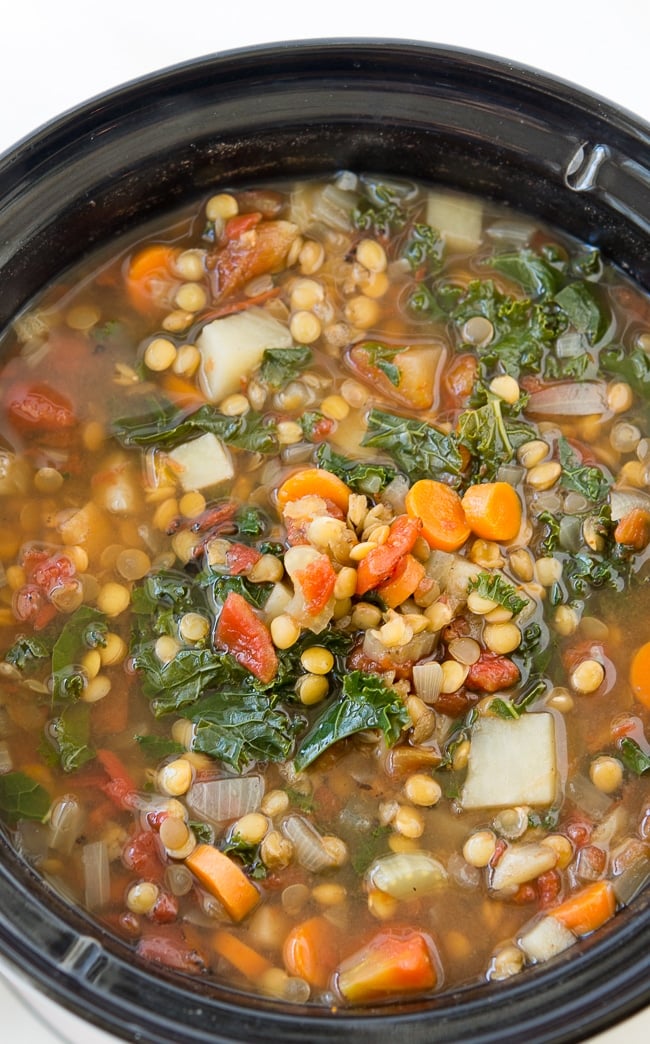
pixel 201 463
pixel 512 762
pixel 232 347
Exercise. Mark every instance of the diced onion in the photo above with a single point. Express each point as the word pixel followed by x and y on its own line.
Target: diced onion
pixel 407 875
pixel 579 399
pixel 66 823
pixel 96 868
pixel 427 679
pixel 308 844
pixel 589 798
pixel 631 881
pixel 220 800
pixel 622 501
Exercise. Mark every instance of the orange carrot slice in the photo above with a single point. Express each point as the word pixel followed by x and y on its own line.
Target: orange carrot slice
pixel 493 510
pixel 440 509
pixel 401 584
pixel 224 879
pixel 314 482
pixel 587 909
pixel 390 964
pixel 242 956
pixel 311 951
pixel 640 674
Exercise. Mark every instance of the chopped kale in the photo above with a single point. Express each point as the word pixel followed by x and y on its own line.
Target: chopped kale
pixel 70 736
pixel 585 312
pixel 425 247
pixel 364 703
pixel 21 797
pixel 491 437
pixel 633 367
pixel 583 478
pixel 418 449
pixel 281 365
pixel 534 273
pixel 497 589
pixel 365 477
pixel 634 758
pixel 167 426
pixel 158 747
pixel 26 653
pixel 240 728
pixel 382 357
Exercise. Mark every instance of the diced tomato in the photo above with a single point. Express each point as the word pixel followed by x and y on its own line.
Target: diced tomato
pixel 30 604
pixel 141 853
pixel 382 560
pixel 549 886
pixel 120 788
pixel 165 909
pixel 240 558
pixel 241 633
pixel 236 226
pixel 49 573
pixel 168 946
pixel 317 584
pixel 36 409
pixel 492 672
pixel 253 252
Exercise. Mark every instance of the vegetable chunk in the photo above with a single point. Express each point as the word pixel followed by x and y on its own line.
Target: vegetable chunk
pixel 232 347
pixel 512 762
pixel 202 463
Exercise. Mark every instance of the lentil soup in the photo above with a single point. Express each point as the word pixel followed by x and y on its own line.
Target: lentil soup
pixel 325 655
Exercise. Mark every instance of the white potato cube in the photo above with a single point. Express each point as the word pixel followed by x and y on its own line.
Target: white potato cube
pixel 458 219
pixel 201 463
pixel 512 762
pixel 546 939
pixel 232 347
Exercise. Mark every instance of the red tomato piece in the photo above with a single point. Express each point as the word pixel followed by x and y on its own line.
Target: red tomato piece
pixel 37 408
pixel 317 583
pixel 241 633
pixel 492 672
pixel 236 226
pixel 240 558
pixel 142 855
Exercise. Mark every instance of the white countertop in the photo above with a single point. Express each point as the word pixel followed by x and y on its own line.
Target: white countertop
pixel 58 54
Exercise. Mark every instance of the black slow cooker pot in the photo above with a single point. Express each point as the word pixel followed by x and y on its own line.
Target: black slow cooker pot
pixel 461 119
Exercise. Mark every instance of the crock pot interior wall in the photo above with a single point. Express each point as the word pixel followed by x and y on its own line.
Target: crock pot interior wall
pixel 467 121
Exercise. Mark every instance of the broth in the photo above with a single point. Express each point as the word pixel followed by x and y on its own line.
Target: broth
pixel 323 615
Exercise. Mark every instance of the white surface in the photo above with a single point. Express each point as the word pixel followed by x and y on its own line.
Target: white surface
pixel 57 54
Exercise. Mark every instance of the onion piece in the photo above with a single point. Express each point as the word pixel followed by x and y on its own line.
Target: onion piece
pixel 589 798
pixel 94 858
pixel 221 800
pixel 632 881
pixel 570 399
pixel 427 680
pixel 308 844
pixel 66 823
pixel 407 875
pixel 419 646
pixel 622 501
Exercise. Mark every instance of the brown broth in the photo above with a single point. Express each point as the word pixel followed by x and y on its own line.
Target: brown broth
pixel 109 676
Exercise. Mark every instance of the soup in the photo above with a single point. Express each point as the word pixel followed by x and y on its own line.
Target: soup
pixel 325 522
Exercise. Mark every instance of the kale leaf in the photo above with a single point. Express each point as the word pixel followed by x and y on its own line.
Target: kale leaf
pixel 418 449
pixel 633 367
pixel 584 310
pixel 281 365
pixel 583 478
pixel 70 736
pixel 491 436
pixel 361 476
pixel 85 629
pixel 537 277
pixel 26 653
pixel 499 590
pixel 365 703
pixel 242 727
pixel 634 758
pixel 21 797
pixel 382 357
pixel 166 426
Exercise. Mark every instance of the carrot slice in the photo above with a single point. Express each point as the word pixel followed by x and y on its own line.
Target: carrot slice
pixel 221 876
pixel 390 964
pixel 314 482
pixel 381 561
pixel 149 276
pixel 493 510
pixel 633 530
pixel 640 674
pixel 587 909
pixel 311 951
pixel 444 525
pixel 242 956
pixel 401 584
